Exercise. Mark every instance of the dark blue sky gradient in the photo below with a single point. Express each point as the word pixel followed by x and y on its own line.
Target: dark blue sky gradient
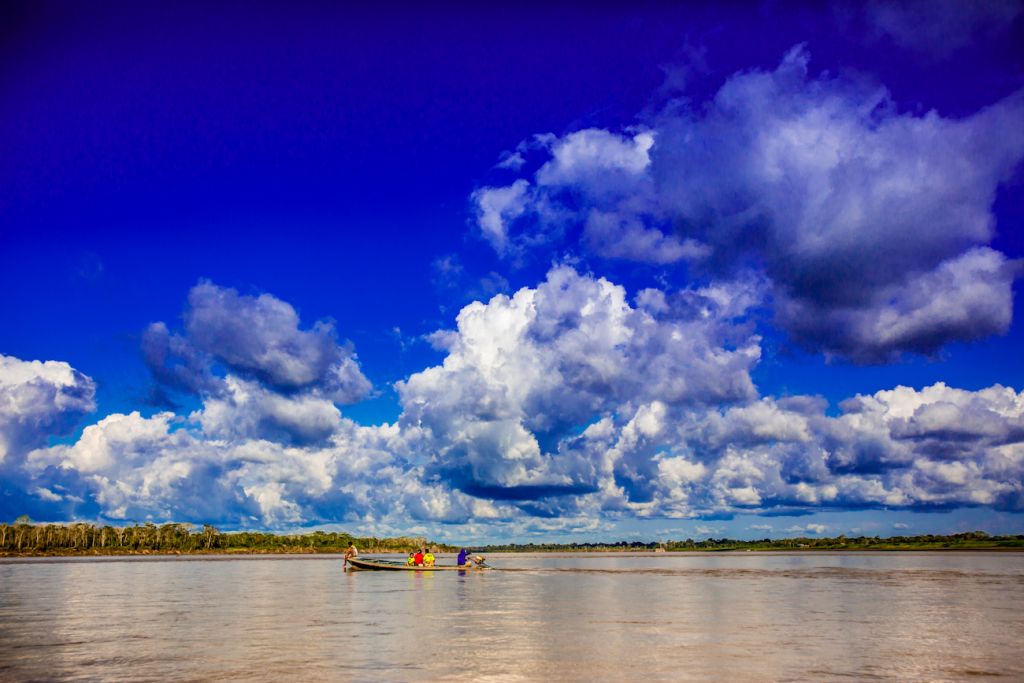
pixel 319 155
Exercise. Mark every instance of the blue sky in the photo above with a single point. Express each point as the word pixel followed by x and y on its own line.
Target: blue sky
pixel 502 273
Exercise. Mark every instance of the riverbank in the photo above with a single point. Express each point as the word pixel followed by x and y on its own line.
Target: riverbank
pixel 611 550
pixel 974 540
pixel 80 539
pixel 30 539
pixel 119 552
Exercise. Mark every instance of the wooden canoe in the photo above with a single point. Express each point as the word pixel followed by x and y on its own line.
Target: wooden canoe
pixel 391 565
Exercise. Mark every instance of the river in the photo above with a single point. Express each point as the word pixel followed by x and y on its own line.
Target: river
pixel 575 617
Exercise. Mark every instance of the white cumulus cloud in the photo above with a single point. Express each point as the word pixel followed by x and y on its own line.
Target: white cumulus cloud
pixel 872 226
pixel 37 400
pixel 258 337
pixel 524 371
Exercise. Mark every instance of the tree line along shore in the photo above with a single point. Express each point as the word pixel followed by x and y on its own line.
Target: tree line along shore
pixel 79 538
pixel 24 538
pixel 973 540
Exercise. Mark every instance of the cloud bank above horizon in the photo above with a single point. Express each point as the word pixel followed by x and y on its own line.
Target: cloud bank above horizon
pixel 566 401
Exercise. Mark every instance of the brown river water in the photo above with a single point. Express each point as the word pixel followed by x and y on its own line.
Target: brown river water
pixel 572 617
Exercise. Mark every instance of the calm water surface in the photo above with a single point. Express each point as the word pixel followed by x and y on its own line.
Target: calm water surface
pixel 674 617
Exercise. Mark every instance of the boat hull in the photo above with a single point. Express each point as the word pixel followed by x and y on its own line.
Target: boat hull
pixel 384 565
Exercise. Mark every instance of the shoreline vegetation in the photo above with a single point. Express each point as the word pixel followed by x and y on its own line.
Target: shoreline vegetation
pixel 27 539
pixel 972 540
pixel 33 540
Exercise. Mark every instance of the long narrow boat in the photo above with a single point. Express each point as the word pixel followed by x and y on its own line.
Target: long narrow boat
pixel 391 565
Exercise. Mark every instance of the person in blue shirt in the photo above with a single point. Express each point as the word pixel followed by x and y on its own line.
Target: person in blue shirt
pixel 463 557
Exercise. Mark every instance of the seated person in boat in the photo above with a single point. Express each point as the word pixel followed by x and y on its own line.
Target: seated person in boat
pixel 463 557
pixel 349 554
pixel 428 559
pixel 412 559
pixel 417 559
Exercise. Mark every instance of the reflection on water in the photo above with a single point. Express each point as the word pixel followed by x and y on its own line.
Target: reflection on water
pixel 736 616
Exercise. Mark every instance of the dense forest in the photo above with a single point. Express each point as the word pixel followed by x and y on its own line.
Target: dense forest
pixel 26 538
pixel 974 540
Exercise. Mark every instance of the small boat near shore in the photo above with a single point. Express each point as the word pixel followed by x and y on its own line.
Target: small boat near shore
pixel 392 565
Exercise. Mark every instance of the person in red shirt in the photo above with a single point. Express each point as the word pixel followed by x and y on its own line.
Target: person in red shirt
pixel 417 559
